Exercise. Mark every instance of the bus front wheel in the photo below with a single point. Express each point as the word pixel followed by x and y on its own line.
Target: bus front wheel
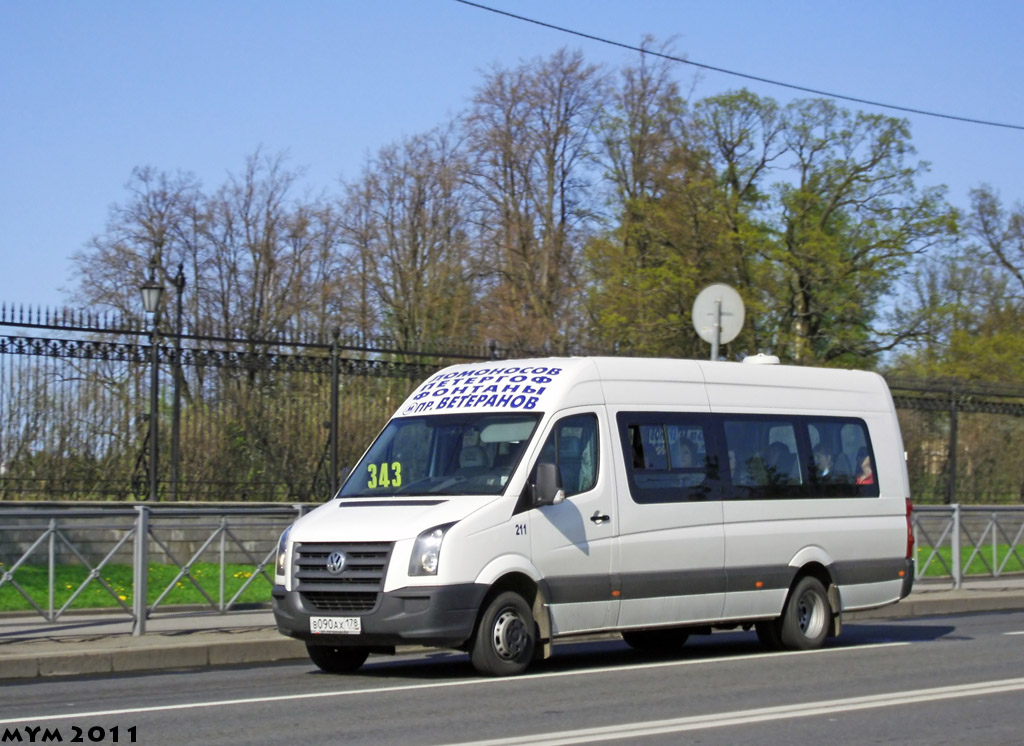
pixel 505 638
pixel 333 659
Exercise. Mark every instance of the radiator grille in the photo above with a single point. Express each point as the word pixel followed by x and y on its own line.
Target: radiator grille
pixel 356 589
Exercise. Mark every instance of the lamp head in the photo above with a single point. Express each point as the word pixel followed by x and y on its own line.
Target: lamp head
pixel 151 290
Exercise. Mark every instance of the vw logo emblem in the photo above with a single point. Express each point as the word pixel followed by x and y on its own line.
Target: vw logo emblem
pixel 336 562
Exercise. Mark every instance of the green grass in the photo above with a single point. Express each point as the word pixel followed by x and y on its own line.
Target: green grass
pixel 33 579
pixel 68 578
pixel 937 570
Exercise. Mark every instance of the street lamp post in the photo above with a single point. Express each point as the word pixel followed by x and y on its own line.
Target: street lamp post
pixel 179 285
pixel 151 292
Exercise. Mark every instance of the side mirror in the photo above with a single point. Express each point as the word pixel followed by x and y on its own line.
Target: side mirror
pixel 547 490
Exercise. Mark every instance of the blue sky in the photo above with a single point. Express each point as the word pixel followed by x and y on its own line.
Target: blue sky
pixel 90 90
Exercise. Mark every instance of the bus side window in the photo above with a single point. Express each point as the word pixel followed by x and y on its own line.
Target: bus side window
pixel 668 457
pixel 573 446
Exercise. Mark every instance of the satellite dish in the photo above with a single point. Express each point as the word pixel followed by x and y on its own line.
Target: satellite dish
pixel 718 315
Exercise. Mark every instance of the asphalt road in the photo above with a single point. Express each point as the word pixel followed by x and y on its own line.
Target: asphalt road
pixel 940 680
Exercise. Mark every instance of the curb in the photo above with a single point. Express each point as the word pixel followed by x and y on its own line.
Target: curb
pixel 969 602
pixel 178 655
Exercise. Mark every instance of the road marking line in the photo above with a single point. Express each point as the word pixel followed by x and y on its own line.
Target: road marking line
pixel 759 715
pixel 525 679
pixel 1014 633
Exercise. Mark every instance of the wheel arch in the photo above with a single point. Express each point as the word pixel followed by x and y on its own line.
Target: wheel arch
pixel 823 575
pixel 532 591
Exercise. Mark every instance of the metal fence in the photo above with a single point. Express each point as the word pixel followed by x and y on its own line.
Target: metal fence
pixel 104 408
pixel 238 544
pixel 52 557
pixel 960 541
pixel 99 408
pixel 961 440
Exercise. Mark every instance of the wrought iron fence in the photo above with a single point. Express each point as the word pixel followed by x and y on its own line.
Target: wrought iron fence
pixel 83 399
pixel 100 407
pixel 961 440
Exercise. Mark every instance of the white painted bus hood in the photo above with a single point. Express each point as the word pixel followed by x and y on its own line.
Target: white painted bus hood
pixel 383 519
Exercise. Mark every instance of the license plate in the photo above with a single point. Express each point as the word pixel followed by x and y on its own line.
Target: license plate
pixel 335 625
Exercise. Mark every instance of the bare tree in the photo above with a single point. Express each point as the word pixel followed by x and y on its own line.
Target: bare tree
pixel 999 234
pixel 162 221
pixel 404 223
pixel 531 133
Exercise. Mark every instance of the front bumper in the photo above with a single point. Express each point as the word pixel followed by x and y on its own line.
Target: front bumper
pixel 441 616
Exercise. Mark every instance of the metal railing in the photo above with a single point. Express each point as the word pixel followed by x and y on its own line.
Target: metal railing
pixel 952 541
pixel 990 536
pixel 94 538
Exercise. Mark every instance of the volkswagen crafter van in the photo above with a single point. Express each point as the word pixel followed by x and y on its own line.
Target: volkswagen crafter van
pixel 507 504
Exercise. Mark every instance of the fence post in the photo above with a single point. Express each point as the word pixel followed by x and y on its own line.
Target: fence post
pixel 335 382
pixel 179 284
pixel 955 539
pixel 51 561
pixel 223 564
pixel 140 571
pixel 951 458
pixel 995 546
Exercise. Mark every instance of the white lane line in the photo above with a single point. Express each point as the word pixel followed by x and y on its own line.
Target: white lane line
pixel 1014 633
pixel 760 715
pixel 526 679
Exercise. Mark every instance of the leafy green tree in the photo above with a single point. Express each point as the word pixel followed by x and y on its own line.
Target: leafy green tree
pixel 970 300
pixel 638 278
pixel 742 136
pixel 812 212
pixel 847 223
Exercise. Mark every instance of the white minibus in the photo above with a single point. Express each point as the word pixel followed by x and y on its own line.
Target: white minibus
pixel 508 504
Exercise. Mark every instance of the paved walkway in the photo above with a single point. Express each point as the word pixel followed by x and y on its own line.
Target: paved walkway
pixel 103 643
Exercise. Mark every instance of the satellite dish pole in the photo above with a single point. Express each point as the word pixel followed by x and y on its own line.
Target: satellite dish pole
pixel 718 315
pixel 716 335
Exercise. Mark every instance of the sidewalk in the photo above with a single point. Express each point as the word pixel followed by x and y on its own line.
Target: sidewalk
pixel 103 643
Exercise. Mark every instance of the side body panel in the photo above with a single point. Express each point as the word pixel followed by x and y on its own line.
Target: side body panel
pixel 670 554
pixel 860 542
pixel 573 542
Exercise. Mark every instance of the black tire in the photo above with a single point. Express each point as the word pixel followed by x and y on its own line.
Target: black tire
pixel 505 638
pixel 656 640
pixel 336 659
pixel 806 620
pixel 768 634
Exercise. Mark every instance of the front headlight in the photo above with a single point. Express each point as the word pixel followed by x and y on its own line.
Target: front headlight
pixel 426 552
pixel 282 547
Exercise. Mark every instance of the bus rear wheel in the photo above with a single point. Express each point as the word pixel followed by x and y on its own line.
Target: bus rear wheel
pixel 805 623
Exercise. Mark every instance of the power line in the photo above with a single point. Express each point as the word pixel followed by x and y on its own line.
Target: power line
pixel 747 76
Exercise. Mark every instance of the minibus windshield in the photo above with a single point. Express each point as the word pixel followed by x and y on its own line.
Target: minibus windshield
pixel 458 454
